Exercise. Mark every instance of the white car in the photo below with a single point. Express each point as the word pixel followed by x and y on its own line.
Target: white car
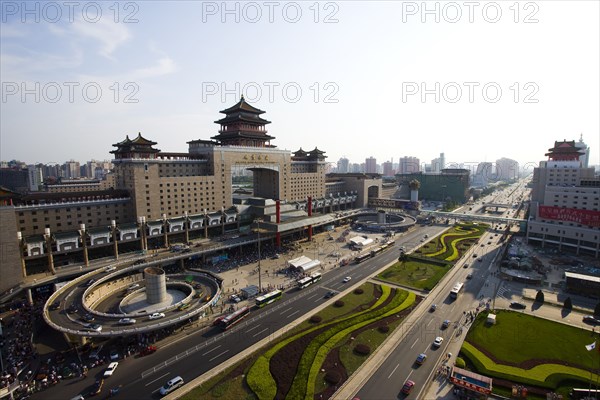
pixel 347 279
pixel 95 327
pixel 156 315
pixel 127 321
pixel 110 369
pixel 110 268
pixel 438 341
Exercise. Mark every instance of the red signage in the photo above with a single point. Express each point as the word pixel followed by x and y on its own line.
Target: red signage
pixel 469 385
pixel 582 217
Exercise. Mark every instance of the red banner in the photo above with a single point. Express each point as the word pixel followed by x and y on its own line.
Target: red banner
pixel 583 217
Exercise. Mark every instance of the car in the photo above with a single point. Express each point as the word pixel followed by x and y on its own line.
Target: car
pixel 147 350
pixel 445 324
pixel 408 386
pixel 438 341
pixel 127 321
pixel 466 265
pixel 55 305
pixel 590 319
pixel 156 315
pixel 184 306
pixel 110 369
pixel 171 385
pixel 421 358
pixel 133 286
pixel 90 282
pixel 97 389
pixel 433 307
pixel 88 318
pixel 114 354
pixel 330 294
pixel 95 327
pixel 110 268
pixel 469 276
pixel 235 298
pixel 518 305
pixel 347 279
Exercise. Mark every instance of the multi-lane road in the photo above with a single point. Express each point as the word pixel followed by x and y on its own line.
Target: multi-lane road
pixel 201 351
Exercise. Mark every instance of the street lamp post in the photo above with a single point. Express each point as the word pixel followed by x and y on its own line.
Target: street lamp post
pixel 82 232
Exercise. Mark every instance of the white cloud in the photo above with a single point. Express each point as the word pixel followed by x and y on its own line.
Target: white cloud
pixel 109 34
pixel 165 66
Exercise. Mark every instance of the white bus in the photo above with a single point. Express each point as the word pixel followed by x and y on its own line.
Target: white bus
pixel 309 280
pixel 456 290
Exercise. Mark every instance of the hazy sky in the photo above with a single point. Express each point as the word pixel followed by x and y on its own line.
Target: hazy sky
pixel 383 79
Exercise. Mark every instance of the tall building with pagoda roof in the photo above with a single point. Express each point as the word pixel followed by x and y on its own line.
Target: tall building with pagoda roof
pixel 565 202
pixel 243 126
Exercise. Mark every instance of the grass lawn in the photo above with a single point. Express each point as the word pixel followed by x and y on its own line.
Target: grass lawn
pixel 519 337
pixel 417 274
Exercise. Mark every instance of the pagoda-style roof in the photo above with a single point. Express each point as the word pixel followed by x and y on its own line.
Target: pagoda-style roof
pixel 316 154
pixel 300 153
pixel 243 126
pixel 242 106
pixel 564 151
pixel 139 145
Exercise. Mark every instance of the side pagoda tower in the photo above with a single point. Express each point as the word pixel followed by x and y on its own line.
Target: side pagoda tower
pixel 243 126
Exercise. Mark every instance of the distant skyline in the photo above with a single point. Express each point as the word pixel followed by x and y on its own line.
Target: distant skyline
pixel 362 69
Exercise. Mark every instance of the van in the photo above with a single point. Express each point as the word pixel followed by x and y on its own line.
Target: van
pixel 171 385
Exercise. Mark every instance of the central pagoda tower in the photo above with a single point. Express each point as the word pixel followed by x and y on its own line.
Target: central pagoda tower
pixel 243 126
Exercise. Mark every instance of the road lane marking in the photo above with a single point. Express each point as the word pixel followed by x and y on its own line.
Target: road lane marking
pixel 317 300
pixel 413 345
pixel 392 373
pixel 211 350
pixel 295 312
pixel 218 355
pixel 430 321
pixel 160 377
pixel 286 310
pixel 316 294
pixel 264 330
pixel 253 328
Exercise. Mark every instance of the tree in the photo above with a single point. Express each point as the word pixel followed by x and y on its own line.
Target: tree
pixel 414 184
pixel 568 304
pixel 539 297
pixel 597 309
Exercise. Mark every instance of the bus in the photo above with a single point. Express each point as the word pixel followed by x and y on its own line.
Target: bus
pixel 309 280
pixel 268 298
pixel 233 318
pixel 456 290
pixel 361 257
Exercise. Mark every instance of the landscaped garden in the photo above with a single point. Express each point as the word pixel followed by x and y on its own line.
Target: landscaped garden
pixel 318 355
pixel 542 354
pixel 427 265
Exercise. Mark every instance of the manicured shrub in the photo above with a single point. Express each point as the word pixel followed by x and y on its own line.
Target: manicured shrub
pixel 315 319
pixel 539 297
pixel 333 377
pixel 362 349
pixel 460 362
pixel 384 329
pixel 339 303
pixel 358 291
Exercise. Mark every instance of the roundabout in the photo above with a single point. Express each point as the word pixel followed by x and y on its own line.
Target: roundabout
pixel 130 300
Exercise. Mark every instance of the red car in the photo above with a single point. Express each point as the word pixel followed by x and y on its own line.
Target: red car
pixel 147 350
pixel 408 386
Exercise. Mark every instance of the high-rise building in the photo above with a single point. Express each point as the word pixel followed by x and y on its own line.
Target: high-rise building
pixel 585 157
pixel 388 168
pixel 409 165
pixel 483 175
pixel 34 177
pixel 438 164
pixel 371 165
pixel 507 170
pixel 356 168
pixel 564 211
pixel 71 169
pixel 343 165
